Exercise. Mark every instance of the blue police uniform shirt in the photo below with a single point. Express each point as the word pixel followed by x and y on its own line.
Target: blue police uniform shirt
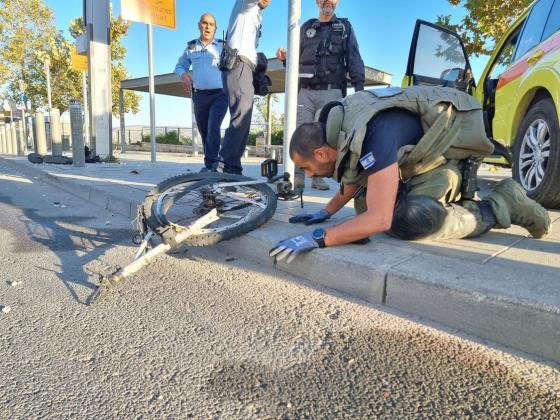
pixel 204 60
pixel 244 29
pixel 386 134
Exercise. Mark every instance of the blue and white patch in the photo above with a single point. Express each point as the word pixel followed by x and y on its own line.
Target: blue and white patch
pixel 368 160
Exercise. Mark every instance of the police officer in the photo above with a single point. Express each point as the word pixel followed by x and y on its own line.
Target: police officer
pixel 409 149
pixel 243 35
pixel 328 51
pixel 209 99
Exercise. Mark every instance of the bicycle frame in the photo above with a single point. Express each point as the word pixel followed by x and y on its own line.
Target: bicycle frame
pixel 269 169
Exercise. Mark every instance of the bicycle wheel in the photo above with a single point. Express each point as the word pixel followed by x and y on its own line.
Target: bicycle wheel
pixel 179 201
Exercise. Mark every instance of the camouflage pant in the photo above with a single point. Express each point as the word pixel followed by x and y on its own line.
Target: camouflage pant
pixel 429 208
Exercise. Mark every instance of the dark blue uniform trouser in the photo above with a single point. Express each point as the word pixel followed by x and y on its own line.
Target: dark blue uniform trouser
pixel 210 108
pixel 238 85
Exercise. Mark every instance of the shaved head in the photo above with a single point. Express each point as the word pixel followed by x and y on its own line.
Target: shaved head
pixel 207 27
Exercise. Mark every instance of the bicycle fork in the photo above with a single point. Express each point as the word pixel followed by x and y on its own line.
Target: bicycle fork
pixel 141 261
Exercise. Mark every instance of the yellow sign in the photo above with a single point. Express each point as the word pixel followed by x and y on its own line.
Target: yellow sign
pixel 79 62
pixel 156 12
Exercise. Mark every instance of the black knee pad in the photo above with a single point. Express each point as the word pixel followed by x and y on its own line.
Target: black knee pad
pixel 417 216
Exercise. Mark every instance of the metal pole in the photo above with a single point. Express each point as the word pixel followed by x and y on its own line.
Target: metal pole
pixel 56 138
pixel 122 122
pixel 292 70
pixel 77 127
pixel 22 144
pixel 99 53
pixel 48 72
pixel 152 95
pixel 39 135
pixel 14 138
pixel 269 120
pixel 86 106
pixel 3 147
pixel 9 149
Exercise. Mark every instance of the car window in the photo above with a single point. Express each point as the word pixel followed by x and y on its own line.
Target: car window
pixel 504 57
pixel 553 23
pixel 534 27
pixel 439 55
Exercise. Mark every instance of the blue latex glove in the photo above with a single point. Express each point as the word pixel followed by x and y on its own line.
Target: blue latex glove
pixel 292 247
pixel 311 218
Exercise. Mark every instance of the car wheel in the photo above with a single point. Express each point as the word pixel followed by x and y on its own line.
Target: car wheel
pixel 536 154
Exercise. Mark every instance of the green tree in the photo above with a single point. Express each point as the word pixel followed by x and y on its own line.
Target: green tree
pixel 119 29
pixel 26 26
pixel 261 116
pixel 485 22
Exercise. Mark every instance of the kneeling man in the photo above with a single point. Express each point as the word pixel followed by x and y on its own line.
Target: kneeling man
pixel 406 156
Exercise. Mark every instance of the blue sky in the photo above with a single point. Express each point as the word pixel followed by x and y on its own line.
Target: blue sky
pixel 384 31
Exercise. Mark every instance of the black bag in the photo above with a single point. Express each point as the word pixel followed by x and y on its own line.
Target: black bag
pixel 228 58
pixel 261 81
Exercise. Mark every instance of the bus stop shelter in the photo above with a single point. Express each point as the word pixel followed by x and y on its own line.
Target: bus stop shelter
pixel 169 84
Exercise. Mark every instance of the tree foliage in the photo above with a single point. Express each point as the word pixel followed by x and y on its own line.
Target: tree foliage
pixel 485 22
pixel 26 26
pixel 261 116
pixel 28 37
pixel 119 29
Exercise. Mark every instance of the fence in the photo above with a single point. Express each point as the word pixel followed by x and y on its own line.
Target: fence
pixel 170 138
pixel 135 135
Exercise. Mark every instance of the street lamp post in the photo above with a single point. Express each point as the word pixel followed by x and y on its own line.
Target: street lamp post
pixel 48 73
pixel 292 68
pixel 23 98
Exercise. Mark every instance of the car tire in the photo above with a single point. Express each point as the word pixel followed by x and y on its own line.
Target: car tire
pixel 536 154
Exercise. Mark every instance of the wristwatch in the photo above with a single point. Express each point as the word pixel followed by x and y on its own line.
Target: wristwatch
pixel 319 237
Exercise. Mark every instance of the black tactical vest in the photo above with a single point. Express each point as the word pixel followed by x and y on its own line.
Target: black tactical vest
pixel 323 51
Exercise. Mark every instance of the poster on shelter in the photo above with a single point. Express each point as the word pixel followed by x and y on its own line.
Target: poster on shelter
pixel 155 12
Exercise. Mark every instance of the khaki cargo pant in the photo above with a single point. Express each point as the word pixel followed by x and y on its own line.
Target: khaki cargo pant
pixel 453 219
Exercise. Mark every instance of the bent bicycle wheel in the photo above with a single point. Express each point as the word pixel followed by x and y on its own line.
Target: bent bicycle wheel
pixel 179 201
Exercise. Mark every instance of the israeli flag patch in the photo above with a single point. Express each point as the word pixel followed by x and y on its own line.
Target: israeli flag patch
pixel 367 161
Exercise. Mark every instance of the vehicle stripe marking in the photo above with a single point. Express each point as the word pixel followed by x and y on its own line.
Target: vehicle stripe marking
pixel 517 70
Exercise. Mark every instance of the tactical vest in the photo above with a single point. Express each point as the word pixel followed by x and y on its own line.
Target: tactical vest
pixel 323 52
pixel 452 122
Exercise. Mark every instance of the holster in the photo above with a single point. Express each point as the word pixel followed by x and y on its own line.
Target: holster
pixel 469 185
pixel 228 58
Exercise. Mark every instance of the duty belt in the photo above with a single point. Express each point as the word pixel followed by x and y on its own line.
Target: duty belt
pixel 322 86
pixel 208 91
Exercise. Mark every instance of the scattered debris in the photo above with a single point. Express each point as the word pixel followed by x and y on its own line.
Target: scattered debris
pixel 6 309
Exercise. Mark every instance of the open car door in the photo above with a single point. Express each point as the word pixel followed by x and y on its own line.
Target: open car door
pixel 437 57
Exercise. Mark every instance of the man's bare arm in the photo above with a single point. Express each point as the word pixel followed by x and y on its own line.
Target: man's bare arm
pixel 381 196
pixel 340 200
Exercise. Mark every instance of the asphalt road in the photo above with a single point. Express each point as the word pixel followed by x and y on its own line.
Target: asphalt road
pixel 200 335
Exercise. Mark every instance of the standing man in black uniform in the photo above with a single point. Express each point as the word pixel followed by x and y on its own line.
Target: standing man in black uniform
pixel 328 52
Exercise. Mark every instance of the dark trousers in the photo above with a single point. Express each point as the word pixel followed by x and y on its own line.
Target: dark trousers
pixel 209 110
pixel 238 85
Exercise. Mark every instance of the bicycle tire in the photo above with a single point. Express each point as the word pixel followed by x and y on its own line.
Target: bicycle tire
pixel 154 220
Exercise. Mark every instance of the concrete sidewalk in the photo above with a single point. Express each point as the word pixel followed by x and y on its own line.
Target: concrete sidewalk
pixel 503 287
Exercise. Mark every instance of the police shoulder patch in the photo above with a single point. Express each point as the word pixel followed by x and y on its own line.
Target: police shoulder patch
pixel 191 45
pixel 367 160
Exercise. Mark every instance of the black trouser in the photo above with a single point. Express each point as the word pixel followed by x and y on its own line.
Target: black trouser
pixel 210 108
